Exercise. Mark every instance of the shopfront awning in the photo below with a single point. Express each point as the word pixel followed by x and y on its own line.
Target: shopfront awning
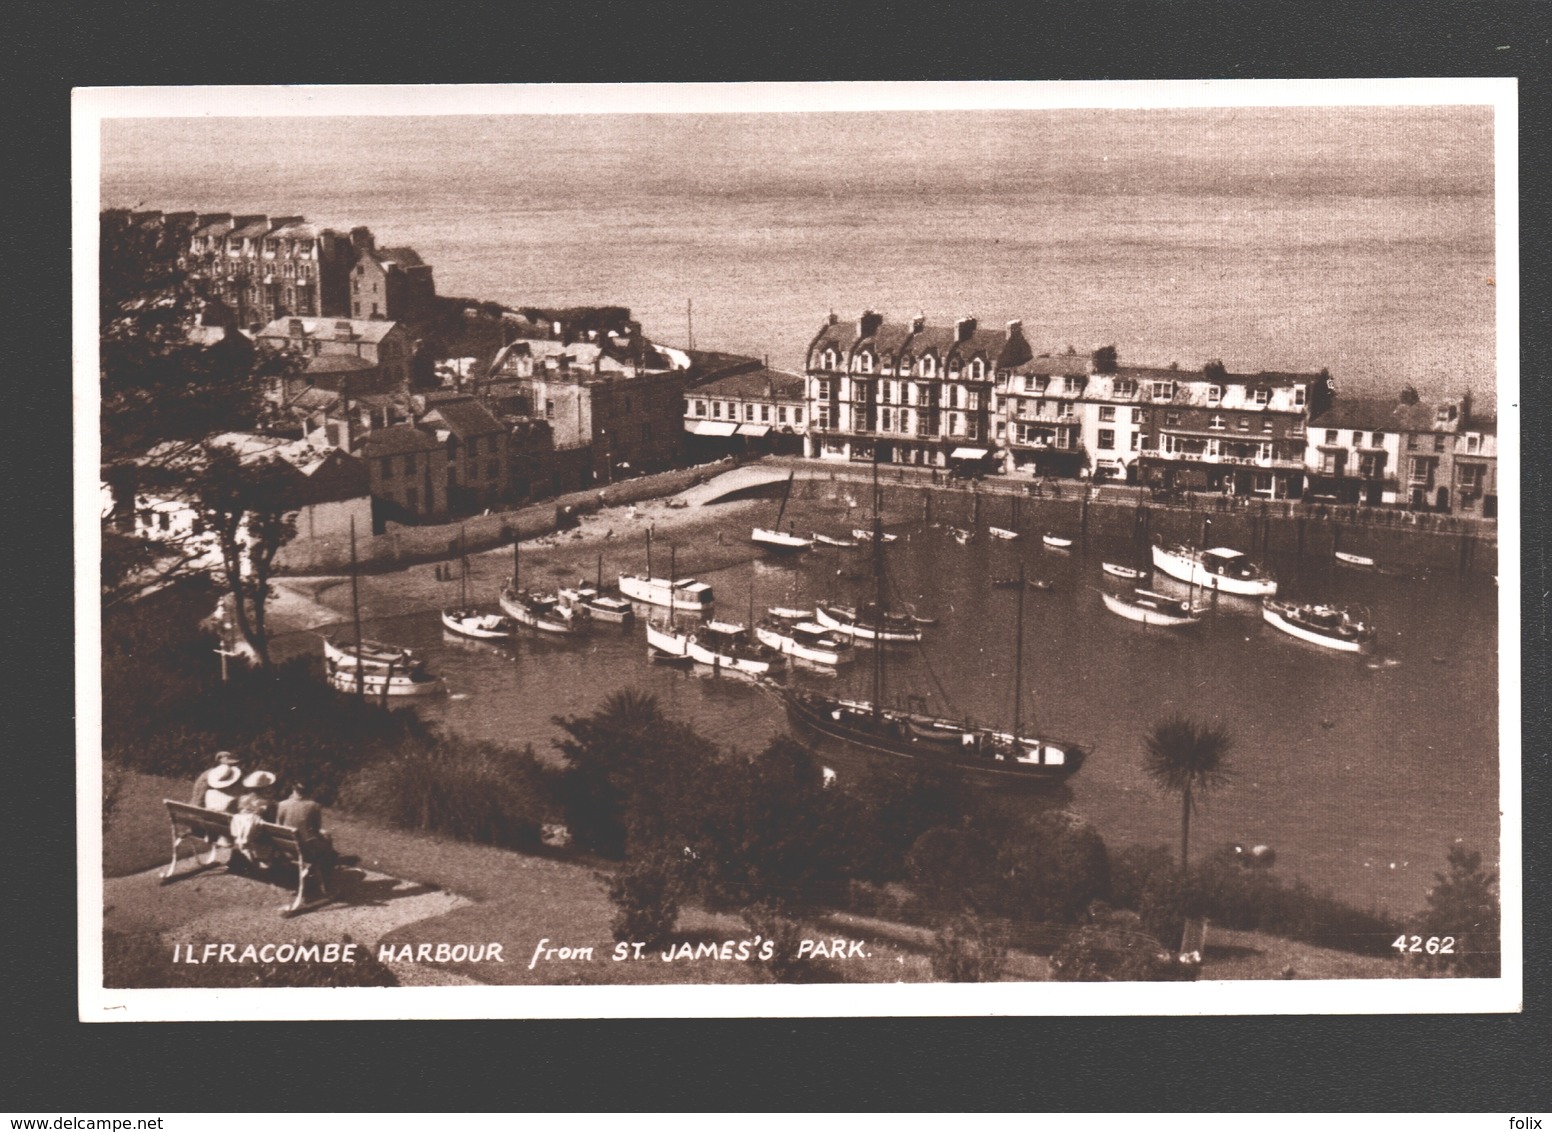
pixel 753 429
pixel 968 454
pixel 711 428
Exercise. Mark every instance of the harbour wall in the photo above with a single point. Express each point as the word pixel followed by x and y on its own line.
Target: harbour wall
pixel 1410 541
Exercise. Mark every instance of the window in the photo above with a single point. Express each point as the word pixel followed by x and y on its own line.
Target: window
pixel 1107 412
pixel 1126 388
pixel 1217 421
pixel 749 411
pixel 1262 396
pixel 1298 395
pixel 549 409
pixel 1214 394
pixel 822 390
pixel 886 392
pixel 828 361
pixel 973 401
pixel 1136 416
pixel 929 365
pixel 1473 442
pixel 1266 424
pixel 1371 465
pixel 781 414
pixel 1244 424
pixel 977 369
pixel 1171 418
pixel 1438 442
pixel 886 420
pixel 1331 436
pixel 972 429
pixel 1135 436
pixel 765 412
pixel 1033 384
pixel 1163 390
pixel 1106 439
pixel 797 416
pixel 822 416
pixel 1379 440
pixel 1148 442
pixel 1411 442
pixel 1471 476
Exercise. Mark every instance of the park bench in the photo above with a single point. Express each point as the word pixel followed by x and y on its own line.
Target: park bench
pixel 210 825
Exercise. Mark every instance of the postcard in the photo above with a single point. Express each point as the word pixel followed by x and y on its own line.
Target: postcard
pixel 798 549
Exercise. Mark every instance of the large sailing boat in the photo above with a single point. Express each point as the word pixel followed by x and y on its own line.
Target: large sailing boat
pixel 918 742
pixel 468 621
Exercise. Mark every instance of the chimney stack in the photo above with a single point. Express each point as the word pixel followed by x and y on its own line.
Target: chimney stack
pixel 919 322
pixel 1465 409
pixel 868 324
pixel 362 240
pixel 833 319
pixel 1015 328
pixel 963 328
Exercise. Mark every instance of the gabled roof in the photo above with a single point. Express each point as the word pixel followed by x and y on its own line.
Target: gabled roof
pixel 395 440
pixel 326 329
pixel 338 363
pixel 404 257
pixel 252 227
pixel 464 418
pixel 760 383
pixel 1377 414
pixel 1054 365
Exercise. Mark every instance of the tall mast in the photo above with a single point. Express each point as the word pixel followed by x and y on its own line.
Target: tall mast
pixel 649 554
pixel 1018 661
pixel 463 576
pixel 786 495
pixel 879 597
pixel 517 564
pixel 599 583
pixel 355 613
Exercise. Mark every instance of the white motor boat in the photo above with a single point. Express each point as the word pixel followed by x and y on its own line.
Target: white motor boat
pixel 804 640
pixel 480 626
pixel 1219 568
pixel 600 607
pixel 866 624
pixel 1344 628
pixel 685 594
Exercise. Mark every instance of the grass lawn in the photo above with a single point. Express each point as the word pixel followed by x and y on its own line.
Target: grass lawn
pixel 522 899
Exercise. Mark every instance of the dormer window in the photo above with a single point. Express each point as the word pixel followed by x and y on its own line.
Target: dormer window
pixel 1126 388
pixel 1163 390
pixel 978 369
pixel 1298 395
pixel 1214 394
pixel 1262 396
pixel 1473 442
pixel 828 360
pixel 929 366
pixel 1378 440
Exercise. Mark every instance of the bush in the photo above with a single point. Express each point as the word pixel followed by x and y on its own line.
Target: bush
pixel 1055 865
pixel 646 901
pixel 953 870
pixel 144 961
pixel 1113 947
pixel 970 950
pixel 470 791
pixel 769 921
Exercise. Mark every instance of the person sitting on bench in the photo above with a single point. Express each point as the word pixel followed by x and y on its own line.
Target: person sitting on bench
pixel 253 809
pixel 304 815
pixel 202 783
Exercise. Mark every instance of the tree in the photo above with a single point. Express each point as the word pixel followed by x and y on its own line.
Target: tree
pixel 1464 904
pixel 1408 395
pixel 162 393
pixel 1055 865
pixel 969 950
pixel 1215 370
pixel 1104 359
pixel 1189 759
pixel 1322 395
pixel 251 508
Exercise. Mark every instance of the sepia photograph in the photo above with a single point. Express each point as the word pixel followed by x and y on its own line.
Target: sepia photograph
pixel 797 549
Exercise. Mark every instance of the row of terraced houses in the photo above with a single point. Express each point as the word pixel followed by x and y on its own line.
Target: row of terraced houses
pixel 966 395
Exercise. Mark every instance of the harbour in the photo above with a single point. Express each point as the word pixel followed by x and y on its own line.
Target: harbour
pixel 1360 770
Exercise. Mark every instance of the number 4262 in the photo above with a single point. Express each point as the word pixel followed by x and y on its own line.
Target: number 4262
pixel 1433 945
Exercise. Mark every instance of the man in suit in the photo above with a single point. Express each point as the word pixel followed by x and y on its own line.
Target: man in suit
pixel 302 813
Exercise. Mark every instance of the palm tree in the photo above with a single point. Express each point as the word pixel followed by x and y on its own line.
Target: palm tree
pixel 1190 759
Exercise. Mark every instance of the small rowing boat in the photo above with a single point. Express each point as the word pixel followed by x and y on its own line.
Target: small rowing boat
pixel 827 540
pixel 1056 543
pixel 862 534
pixel 1357 561
pixel 1120 571
pixel 1002 533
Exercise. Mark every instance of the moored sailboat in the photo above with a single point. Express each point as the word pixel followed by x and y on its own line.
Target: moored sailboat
pixel 687 595
pixel 805 640
pixel 467 621
pixel 1152 608
pixel 774 538
pixel 918 742
pixel 539 611
pixel 370 667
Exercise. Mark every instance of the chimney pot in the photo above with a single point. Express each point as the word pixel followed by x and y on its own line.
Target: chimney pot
pixel 964 328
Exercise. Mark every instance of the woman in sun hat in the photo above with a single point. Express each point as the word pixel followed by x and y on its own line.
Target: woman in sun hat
pixel 219 785
pixel 259 798
pixel 253 808
pixel 202 783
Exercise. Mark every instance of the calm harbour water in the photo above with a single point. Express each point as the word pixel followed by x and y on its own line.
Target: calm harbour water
pixel 1360 777
pixel 1355 239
